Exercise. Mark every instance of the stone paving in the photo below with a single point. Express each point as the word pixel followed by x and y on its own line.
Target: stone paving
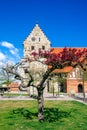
pixel 47 96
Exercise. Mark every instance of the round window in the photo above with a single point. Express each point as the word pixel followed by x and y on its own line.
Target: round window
pixel 33 39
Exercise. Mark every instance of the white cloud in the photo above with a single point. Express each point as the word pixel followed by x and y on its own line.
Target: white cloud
pixel 7 44
pixel 8 53
pixel 2 56
pixel 14 52
pixel 1 64
pixel 12 49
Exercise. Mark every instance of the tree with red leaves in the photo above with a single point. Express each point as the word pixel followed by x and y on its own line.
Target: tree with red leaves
pixel 67 57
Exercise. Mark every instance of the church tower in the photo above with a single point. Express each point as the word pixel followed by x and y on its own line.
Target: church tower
pixel 35 41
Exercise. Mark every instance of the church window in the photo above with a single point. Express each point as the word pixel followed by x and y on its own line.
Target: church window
pixel 39 39
pixel 70 75
pixel 33 39
pixel 73 73
pixel 78 73
pixel 32 47
pixel 43 47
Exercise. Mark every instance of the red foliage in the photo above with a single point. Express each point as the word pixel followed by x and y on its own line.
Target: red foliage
pixel 34 54
pixel 67 56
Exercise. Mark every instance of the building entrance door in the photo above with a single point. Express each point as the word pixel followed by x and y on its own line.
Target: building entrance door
pixel 80 88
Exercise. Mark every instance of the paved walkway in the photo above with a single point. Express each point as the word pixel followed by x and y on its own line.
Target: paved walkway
pixel 46 97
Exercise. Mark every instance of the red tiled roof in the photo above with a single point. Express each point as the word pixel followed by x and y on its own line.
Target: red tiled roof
pixel 57 50
pixel 64 70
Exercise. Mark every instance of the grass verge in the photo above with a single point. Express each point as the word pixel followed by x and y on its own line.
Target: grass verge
pixel 59 115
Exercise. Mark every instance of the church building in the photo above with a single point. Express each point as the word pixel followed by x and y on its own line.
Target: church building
pixel 72 83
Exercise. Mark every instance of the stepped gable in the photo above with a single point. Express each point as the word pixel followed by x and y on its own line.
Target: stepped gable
pixel 35 40
pixel 37 32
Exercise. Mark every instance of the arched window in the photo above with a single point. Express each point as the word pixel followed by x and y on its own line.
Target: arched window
pixel 80 88
pixel 79 73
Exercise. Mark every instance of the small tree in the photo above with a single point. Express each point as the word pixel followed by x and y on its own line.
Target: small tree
pixel 5 76
pixel 68 57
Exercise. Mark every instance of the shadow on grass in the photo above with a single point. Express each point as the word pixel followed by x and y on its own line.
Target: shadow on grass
pixel 54 114
pixel 50 114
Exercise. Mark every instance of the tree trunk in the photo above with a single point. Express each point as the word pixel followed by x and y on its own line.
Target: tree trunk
pixel 83 87
pixel 40 105
pixel 83 91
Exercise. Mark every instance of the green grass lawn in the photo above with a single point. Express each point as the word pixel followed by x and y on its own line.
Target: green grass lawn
pixel 59 115
pixel 14 94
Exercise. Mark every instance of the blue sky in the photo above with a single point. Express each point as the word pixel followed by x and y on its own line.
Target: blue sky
pixel 63 21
